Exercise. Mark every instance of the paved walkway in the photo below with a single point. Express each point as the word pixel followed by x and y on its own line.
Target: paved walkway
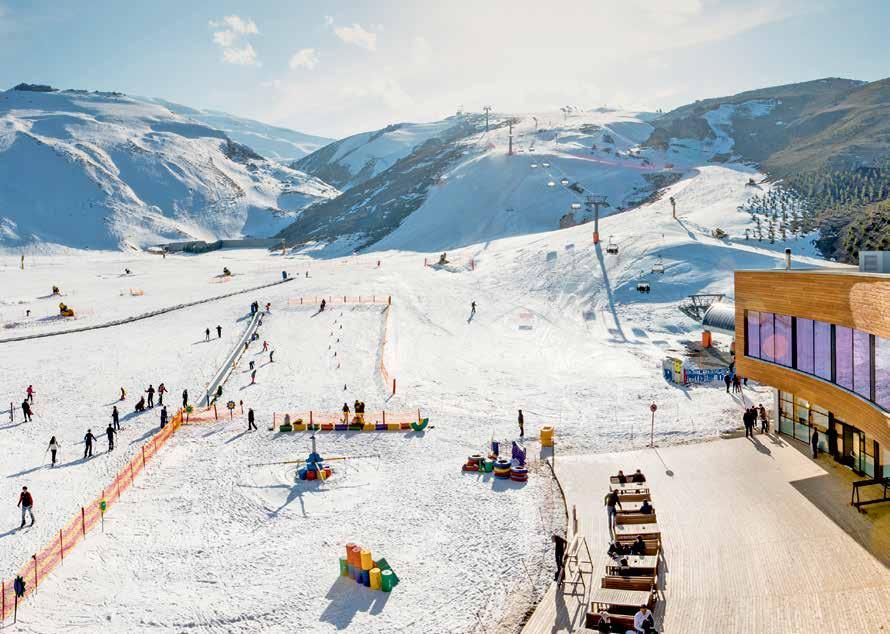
pixel 757 538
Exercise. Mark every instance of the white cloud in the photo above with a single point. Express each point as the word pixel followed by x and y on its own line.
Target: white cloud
pixel 304 58
pixel 233 29
pixel 357 36
pixel 244 56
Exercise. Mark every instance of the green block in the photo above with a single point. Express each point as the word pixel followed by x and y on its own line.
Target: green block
pixel 382 564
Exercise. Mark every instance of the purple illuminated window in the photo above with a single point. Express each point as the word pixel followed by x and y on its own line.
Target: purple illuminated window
pixel 862 363
pixel 882 372
pixel 822 349
pixel 843 356
pixel 767 343
pixel 782 340
pixel 753 340
pixel 805 345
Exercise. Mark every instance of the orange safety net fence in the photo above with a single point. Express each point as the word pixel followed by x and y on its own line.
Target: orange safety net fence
pixel 42 563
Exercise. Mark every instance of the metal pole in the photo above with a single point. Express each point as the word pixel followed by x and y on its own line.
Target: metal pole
pixel 652 432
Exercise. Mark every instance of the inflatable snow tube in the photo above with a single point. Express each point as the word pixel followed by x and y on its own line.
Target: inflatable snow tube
pixel 421 425
pixel 470 467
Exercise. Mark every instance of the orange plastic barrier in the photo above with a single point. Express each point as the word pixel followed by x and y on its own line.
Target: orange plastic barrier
pixel 40 564
pixel 327 418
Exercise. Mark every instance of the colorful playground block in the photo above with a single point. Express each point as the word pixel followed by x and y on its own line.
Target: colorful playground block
pixel 375 578
pixel 369 427
pixel 367 562
pixel 405 426
pixel 393 426
pixel 387 580
pixel 300 427
pixel 344 567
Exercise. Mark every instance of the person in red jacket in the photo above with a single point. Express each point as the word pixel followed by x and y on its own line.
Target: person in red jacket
pixel 27 503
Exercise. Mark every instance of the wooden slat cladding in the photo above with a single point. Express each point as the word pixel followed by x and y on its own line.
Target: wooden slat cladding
pixel 857 301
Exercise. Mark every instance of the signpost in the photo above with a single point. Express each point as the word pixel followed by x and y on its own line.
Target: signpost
pixel 102 506
pixel 19 586
pixel 652 408
pixel 231 406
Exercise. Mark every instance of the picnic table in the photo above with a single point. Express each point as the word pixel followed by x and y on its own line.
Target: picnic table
pixel 602 598
pixel 630 507
pixel 637 563
pixel 623 530
pixel 630 487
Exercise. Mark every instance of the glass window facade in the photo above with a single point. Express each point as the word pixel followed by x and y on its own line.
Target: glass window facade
pixel 852 359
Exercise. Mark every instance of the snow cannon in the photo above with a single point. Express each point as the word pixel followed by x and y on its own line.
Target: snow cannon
pixel 65 311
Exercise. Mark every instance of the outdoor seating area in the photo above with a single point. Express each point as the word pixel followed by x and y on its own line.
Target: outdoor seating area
pixel 630 584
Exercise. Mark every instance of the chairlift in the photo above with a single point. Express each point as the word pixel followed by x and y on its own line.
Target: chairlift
pixel 533 165
pixel 643 286
pixel 564 181
pixel 576 205
pixel 658 269
pixel 546 164
pixel 611 247
pixel 551 183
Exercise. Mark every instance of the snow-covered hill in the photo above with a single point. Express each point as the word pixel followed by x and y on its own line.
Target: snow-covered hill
pixel 104 170
pixel 272 142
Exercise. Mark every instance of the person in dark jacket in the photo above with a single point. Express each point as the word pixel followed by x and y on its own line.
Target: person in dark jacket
pixel 646 508
pixel 115 418
pixel 151 395
pixel 638 476
pixel 345 412
pixel 638 548
pixel 185 398
pixel 109 432
pixel 218 332
pixel 250 419
pixel 162 389
pixel 728 380
pixel 764 419
pixel 163 417
pixel 27 504
pixel 88 444
pixel 814 441
pixel 521 420
pixel 26 410
pixel 54 447
pixel 559 551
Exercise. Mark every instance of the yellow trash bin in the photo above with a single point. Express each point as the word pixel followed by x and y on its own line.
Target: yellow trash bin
pixel 375 578
pixel 367 562
pixel 547 436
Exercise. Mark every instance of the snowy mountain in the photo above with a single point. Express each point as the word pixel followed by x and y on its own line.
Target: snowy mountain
pixel 272 142
pixel 462 186
pixel 104 170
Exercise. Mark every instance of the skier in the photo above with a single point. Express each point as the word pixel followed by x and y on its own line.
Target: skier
pixel 163 416
pixel 345 413
pixel 140 405
pixel 207 334
pixel 728 380
pixel 521 421
pixel 271 354
pixel 323 304
pixel 115 418
pixel 88 444
pixel 54 447
pixel 250 423
pixel 218 331
pixel 27 504
pixel 109 431
pixel 30 392
pixel 472 308
pixel 265 345
pixel 26 410
pixel 218 391
pixel 151 395
pixel 123 394
pixel 162 389
pixel 268 308
pixel 185 398
pixel 252 363
pixel 252 376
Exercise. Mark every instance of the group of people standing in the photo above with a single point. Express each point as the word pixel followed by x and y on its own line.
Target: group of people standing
pixel 734 381
pixel 750 417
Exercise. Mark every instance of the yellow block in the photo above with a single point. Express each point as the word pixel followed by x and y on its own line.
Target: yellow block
pixel 369 427
pixel 367 562
pixel 300 427
pixel 547 436
pixel 375 578
pixel 393 426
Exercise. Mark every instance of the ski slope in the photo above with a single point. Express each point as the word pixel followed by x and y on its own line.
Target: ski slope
pixel 209 540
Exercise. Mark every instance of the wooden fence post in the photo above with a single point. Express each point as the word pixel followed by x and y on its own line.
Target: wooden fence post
pixel 61 546
pixel 34 557
pixel 310 417
pixel 393 386
pixel 215 414
pixel 3 609
pixel 384 417
pixel 143 456
pixel 83 523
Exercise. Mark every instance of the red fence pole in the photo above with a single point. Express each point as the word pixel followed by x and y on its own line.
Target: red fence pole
pixel 393 386
pixel 61 546
pixel 34 557
pixel 215 415
pixel 384 417
pixel 143 456
pixel 3 609
pixel 83 524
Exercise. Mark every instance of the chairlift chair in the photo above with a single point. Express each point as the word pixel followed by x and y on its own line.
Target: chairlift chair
pixel 659 267
pixel 576 205
pixel 612 248
pixel 643 286
pixel 551 183
pixel 545 164
pixel 563 181
pixel 533 165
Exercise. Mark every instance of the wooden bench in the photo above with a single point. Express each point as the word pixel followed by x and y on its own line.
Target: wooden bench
pixel 633 497
pixel 641 583
pixel 630 487
pixel 636 518
pixel 628 477
pixel 653 546
pixel 617 622
pixel 637 566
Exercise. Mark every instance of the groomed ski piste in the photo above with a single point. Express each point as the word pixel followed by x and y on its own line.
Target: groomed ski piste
pixel 214 537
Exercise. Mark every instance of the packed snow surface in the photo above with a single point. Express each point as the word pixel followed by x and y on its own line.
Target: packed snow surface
pixel 214 537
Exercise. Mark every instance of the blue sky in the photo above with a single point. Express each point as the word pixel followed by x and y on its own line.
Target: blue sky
pixel 336 68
